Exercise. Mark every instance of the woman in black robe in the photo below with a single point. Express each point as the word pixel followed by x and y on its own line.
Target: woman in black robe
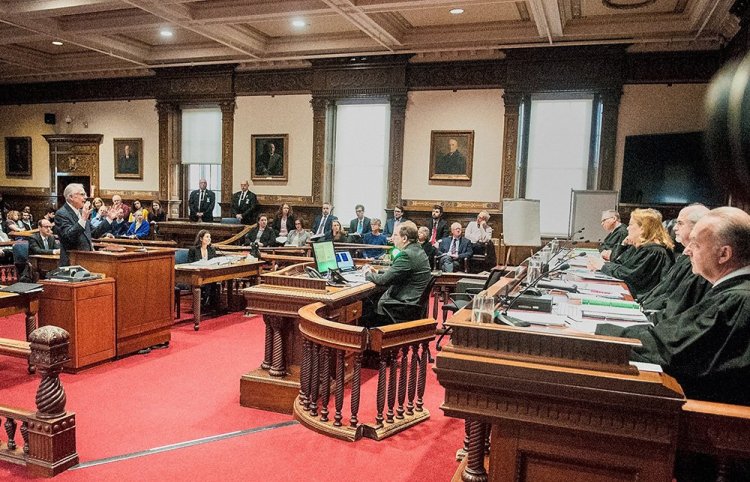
pixel 649 257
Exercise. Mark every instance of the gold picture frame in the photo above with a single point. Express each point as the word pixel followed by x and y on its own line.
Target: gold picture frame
pixel 451 156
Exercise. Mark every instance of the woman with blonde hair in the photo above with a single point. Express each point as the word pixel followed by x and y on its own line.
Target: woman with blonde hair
pixel 648 256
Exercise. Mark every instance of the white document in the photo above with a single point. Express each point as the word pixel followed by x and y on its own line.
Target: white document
pixel 535 318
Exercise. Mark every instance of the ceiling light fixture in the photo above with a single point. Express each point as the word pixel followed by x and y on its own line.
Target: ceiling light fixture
pixel 298 23
pixel 57 42
pixel 166 33
pixel 456 11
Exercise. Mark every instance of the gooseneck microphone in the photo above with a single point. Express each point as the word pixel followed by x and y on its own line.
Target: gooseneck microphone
pixel 504 318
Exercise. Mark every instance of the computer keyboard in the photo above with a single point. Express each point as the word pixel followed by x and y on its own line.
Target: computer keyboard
pixel 354 276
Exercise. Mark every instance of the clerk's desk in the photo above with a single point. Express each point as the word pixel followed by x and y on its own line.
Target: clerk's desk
pixel 279 296
pixel 144 293
pixel 565 405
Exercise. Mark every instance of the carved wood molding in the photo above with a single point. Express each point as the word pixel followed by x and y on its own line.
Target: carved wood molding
pixel 196 84
pixel 512 102
pixel 273 82
pixel 455 75
pixel 320 108
pixel 227 151
pixel 74 154
pixel 396 148
pixel 27 191
pixel 451 206
pixel 144 196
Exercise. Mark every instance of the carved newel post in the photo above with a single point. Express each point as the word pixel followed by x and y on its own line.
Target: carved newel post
pixel 52 434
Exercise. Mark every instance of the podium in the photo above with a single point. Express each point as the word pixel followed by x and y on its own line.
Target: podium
pixel 144 293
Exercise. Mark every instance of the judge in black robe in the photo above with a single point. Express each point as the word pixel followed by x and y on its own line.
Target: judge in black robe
pixel 617 232
pixel 679 289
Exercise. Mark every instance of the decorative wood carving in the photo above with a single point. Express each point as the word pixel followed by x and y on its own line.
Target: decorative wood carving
pixel 453 75
pixel 273 82
pixel 170 119
pixel 320 108
pixel 76 155
pixel 196 84
pixel 510 145
pixel 227 153
pixel 396 148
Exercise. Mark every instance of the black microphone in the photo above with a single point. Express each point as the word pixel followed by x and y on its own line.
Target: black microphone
pixel 504 318
pixel 142 248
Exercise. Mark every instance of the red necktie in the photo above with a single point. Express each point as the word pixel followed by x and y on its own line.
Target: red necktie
pixel 434 234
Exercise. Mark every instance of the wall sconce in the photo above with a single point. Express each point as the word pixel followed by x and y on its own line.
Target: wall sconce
pixel 68 119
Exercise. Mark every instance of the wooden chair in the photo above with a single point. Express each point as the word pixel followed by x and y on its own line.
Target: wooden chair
pixel 180 290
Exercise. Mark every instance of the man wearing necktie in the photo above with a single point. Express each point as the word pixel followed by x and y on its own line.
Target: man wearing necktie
pixel 43 242
pixel 360 224
pixel 201 203
pixel 454 250
pixel 437 225
pixel 244 204
pixel 322 226
pixel 73 225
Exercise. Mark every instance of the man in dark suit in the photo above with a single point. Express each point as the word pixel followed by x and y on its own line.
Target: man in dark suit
pixel 437 225
pixel 361 224
pixel 451 162
pixel 73 225
pixel 322 226
pixel 406 278
pixel 44 241
pixel 454 250
pixel 244 204
pixel 127 163
pixel 270 162
pixel 201 203
pixel 391 225
pixel 263 234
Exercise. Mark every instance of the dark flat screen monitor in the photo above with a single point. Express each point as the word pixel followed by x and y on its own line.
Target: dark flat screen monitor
pixel 668 169
pixel 325 256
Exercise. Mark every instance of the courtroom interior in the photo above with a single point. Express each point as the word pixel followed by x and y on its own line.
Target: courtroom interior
pixel 465 240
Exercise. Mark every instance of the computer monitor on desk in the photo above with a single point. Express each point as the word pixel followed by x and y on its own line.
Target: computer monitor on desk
pixel 325 256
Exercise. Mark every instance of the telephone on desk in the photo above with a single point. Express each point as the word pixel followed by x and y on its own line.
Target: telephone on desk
pixel 72 273
pixel 334 279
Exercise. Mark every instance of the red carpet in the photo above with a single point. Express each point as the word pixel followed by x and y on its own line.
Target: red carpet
pixel 191 390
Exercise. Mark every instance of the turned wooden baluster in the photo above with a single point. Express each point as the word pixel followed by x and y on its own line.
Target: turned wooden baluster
pixel 326 375
pixel 356 377
pixel 461 453
pixel 50 396
pixel 25 436
pixel 339 387
pixel 268 352
pixel 314 381
pixel 304 375
pixel 412 380
pixel 391 386
pixel 382 365
pixel 422 382
pixel 474 471
pixel 402 382
pixel 10 430
pixel 278 367
pixel 30 326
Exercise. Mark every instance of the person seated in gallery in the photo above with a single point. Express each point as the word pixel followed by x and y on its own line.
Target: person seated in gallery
pixel 680 288
pixel 25 221
pixel 119 226
pixel 137 207
pixel 139 228
pixel 391 225
pixel 337 235
pixel 203 250
pixel 283 221
pixel 423 236
pixel 437 225
pixel 49 215
pixel 27 210
pixel 616 233
pixel 648 257
pixel 360 225
pixel 454 250
pixel 406 278
pixel 299 236
pixel 262 233
pixel 12 223
pixel 98 212
pixel 156 214
pixel 374 238
pixel 43 242
pixel 479 232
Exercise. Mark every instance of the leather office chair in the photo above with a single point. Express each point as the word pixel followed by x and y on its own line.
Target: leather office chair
pixel 460 300
pixel 484 257
pixel 413 311
pixel 21 260
pixel 180 257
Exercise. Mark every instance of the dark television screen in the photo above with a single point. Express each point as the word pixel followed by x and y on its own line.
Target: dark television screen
pixel 668 169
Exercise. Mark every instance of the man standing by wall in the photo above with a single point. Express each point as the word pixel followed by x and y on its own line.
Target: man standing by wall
pixel 201 203
pixel 244 204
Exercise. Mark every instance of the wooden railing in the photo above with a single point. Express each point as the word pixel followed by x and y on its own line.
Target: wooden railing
pixel 47 444
pixel 8 274
pixel 401 353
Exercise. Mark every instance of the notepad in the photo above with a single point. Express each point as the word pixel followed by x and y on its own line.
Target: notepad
pixel 21 288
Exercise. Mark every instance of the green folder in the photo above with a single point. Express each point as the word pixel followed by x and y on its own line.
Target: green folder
pixel 614 303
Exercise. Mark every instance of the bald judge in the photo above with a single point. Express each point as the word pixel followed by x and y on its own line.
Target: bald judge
pixel 707 347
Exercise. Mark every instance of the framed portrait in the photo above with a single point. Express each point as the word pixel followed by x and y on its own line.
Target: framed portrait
pixel 270 158
pixel 451 156
pixel 18 156
pixel 128 158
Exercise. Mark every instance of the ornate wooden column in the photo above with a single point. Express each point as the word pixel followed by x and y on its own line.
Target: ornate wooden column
pixel 396 151
pixel 607 142
pixel 510 145
pixel 320 111
pixel 227 154
pixel 170 128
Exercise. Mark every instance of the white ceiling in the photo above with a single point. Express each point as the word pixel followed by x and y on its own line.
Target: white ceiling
pixel 115 38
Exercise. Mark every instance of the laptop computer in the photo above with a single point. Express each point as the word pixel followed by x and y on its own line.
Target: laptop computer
pixel 345 262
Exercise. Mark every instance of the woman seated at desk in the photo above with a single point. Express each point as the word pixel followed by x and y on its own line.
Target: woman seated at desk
pixel 12 224
pixel 284 222
pixel 299 236
pixel 157 214
pixel 202 250
pixel 263 234
pixel 374 237
pixel 139 228
pixel 137 207
pixel 337 235
pixel 649 256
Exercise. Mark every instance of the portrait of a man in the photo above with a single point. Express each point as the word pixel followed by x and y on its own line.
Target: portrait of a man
pixel 18 156
pixel 128 158
pixel 269 160
pixel 451 155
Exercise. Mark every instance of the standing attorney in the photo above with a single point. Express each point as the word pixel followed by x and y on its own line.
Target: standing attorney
pixel 73 224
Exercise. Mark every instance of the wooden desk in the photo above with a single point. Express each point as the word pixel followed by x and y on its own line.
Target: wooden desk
pixel 144 285
pixel 446 284
pixel 279 297
pixel 184 232
pixel 198 276
pixel 86 310
pixel 137 243
pixel 44 263
pixel 10 304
